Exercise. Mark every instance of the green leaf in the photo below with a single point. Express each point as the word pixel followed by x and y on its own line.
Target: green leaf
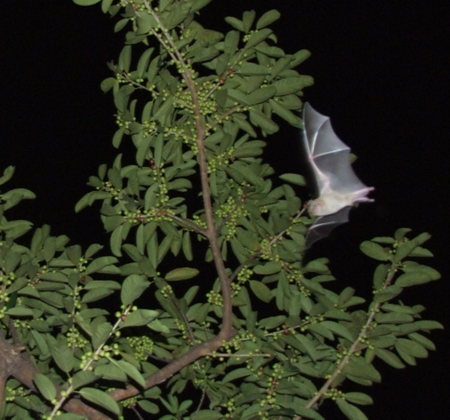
pixel 182 273
pixel 261 95
pixel 247 19
pixel 421 252
pixel 82 378
pixel 379 276
pixel 111 372
pixel 139 317
pixel 283 112
pixel 148 406
pixel 337 329
pixel 198 4
pixel 350 411
pixel 261 291
pixel 267 18
pixel 86 2
pixel 235 23
pixel 102 284
pixel 133 287
pixel 292 84
pixel 98 264
pixel 428 344
pixel 358 398
pixel 95 294
pixel 130 370
pixel 142 150
pixel 308 344
pixel 161 116
pixel 400 233
pixel 383 240
pixel 117 139
pixel 20 311
pixel 106 86
pixel 236 374
pixel 253 69
pixel 261 120
pixel 18 231
pixel 294 179
pixel 157 325
pixel 101 334
pixel 393 318
pixel 187 246
pixel 208 415
pixel 407 247
pixel 268 268
pixel 421 276
pixel 420 326
pixel 387 294
pixel 231 42
pixel 101 398
pixel 299 57
pixel 272 322
pixel 390 358
pixel 56 277
pixel 125 58
pixel 7 174
pixel 257 37
pixel 411 347
pixel 62 355
pixel 45 386
pixel 143 62
pixel 106 5
pixel 144 23
pixel 375 251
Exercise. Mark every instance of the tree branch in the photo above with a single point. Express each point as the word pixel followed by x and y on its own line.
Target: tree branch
pixel 354 347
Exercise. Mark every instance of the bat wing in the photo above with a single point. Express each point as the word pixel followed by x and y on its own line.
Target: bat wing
pixel 328 155
pixel 325 224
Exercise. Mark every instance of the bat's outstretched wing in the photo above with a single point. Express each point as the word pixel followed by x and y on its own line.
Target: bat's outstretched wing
pixel 325 224
pixel 338 186
pixel 328 155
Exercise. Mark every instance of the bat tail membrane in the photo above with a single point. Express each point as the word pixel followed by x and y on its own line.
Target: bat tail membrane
pixel 325 224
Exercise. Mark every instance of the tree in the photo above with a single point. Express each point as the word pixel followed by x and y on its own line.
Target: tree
pixel 254 333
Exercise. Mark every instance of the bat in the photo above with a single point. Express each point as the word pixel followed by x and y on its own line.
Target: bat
pixel 338 187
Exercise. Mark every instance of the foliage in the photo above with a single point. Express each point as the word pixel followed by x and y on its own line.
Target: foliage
pixel 152 328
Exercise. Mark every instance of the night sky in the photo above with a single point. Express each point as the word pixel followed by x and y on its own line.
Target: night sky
pixel 381 73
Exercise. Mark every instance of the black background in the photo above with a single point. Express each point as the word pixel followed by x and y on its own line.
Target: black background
pixel 381 73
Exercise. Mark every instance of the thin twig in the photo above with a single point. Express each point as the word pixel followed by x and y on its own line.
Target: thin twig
pixel 242 355
pixel 175 301
pixel 264 249
pixel 138 415
pixel 353 349
pixel 199 406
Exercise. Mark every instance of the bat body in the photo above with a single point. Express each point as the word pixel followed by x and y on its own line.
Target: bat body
pixel 338 187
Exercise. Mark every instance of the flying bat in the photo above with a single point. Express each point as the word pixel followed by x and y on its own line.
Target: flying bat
pixel 338 187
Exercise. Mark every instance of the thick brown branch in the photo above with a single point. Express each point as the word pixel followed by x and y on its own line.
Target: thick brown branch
pixel 77 406
pixel 175 366
pixel 17 363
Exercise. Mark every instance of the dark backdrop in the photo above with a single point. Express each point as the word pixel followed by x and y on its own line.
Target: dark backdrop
pixel 381 72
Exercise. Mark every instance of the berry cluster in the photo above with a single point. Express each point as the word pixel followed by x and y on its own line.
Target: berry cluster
pixel 142 346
